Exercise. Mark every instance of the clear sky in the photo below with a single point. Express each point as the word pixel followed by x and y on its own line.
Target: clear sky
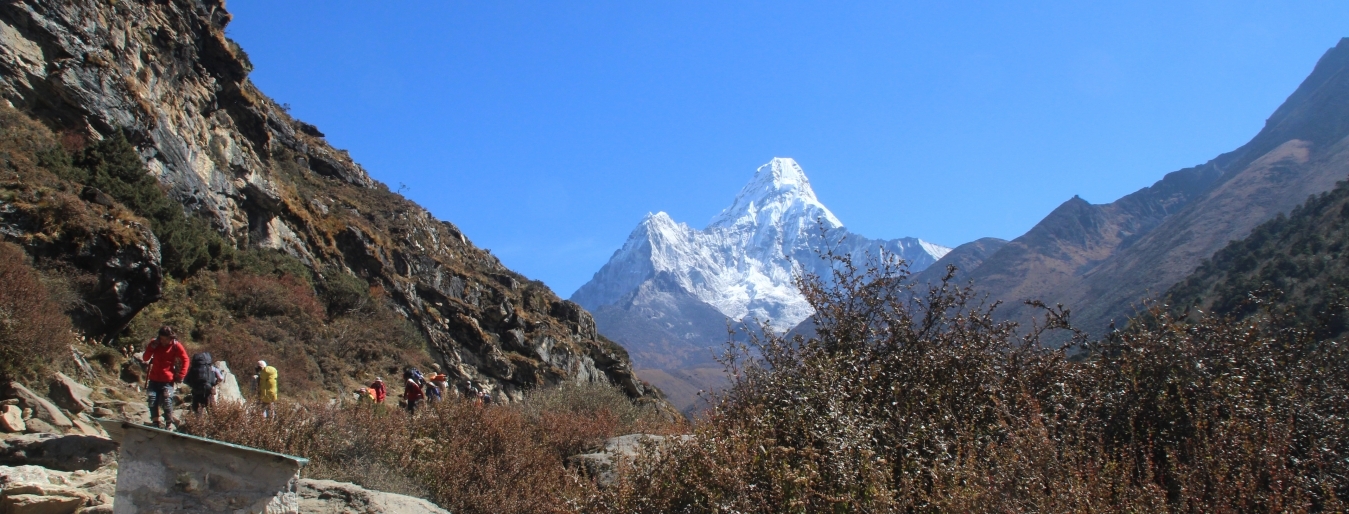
pixel 546 130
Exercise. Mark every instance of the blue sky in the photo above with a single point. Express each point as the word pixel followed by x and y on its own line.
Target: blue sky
pixel 546 130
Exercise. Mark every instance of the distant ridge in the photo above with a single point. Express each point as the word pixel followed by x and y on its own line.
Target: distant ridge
pixel 1102 260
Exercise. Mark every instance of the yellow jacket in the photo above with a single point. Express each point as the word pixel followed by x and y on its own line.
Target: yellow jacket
pixel 267 385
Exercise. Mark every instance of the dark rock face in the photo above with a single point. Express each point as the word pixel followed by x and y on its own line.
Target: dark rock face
pixel 122 253
pixel 166 74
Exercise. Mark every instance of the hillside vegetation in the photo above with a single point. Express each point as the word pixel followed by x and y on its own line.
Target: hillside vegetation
pixel 1295 262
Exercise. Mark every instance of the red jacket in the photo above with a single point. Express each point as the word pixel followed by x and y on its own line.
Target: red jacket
pixel 380 391
pixel 412 391
pixel 163 359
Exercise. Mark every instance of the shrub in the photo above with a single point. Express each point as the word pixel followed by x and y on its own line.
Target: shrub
pixel 925 402
pixel 33 330
pixel 466 457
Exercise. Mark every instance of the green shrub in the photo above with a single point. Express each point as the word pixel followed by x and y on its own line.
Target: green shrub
pixel 187 243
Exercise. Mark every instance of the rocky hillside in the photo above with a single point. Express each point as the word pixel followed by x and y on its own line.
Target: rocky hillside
pixel 1102 260
pixel 165 76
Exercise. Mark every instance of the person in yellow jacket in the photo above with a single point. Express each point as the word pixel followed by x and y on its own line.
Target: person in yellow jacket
pixel 266 387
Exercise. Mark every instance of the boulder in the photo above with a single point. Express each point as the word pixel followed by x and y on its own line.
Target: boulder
pixel 69 394
pixel 11 419
pixel 22 487
pixel 37 426
pixel 42 409
pixel 36 504
pixel 600 465
pixel 228 389
pixel 329 497
pixel 87 427
pixel 135 412
pixel 64 453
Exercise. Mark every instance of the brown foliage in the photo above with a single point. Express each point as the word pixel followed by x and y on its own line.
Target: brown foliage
pixel 464 456
pixel 925 402
pixel 33 329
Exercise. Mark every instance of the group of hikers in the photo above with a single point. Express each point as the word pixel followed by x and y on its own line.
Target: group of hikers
pixel 418 387
pixel 169 365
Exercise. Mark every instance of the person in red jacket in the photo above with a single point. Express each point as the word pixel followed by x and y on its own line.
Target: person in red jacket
pixel 168 366
pixel 380 391
pixel 412 392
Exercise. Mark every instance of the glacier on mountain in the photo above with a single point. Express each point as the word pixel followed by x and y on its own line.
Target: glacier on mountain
pixel 744 262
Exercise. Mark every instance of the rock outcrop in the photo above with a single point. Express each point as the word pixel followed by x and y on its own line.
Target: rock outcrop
pixel 166 74
pixel 35 489
pixel 41 408
pixel 601 463
pixel 62 453
pixel 329 497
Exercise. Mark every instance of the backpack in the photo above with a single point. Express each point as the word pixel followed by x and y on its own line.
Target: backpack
pixel 201 374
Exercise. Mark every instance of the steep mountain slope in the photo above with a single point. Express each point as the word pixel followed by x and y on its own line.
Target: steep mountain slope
pixel 1101 260
pixel 965 258
pixel 1294 261
pixel 671 291
pixel 165 74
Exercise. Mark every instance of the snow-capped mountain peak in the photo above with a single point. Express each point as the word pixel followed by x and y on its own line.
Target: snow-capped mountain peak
pixel 743 264
pixel 779 192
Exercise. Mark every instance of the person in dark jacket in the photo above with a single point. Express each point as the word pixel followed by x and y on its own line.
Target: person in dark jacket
pixel 168 366
pixel 202 376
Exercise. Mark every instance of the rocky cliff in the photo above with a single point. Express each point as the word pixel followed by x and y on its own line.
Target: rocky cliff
pixel 165 73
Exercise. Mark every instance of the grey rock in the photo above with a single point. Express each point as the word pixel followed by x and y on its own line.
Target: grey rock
pixel 42 409
pixel 37 426
pixel 228 389
pixel 58 452
pixel 601 464
pixel 95 489
pixel 329 497
pixel 69 394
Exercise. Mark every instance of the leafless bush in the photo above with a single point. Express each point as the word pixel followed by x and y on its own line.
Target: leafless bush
pixel 921 400
pixel 464 456
pixel 33 329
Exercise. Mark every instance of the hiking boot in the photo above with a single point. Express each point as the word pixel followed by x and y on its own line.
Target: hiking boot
pixel 155 424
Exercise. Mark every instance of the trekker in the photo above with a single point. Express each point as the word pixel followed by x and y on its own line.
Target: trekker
pixel 381 392
pixel 441 381
pixel 365 396
pixel 266 388
pixel 202 376
pixel 168 366
pixel 412 392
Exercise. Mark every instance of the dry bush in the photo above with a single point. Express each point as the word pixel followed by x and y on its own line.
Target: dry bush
pixel 466 457
pixel 924 401
pixel 33 330
pixel 264 296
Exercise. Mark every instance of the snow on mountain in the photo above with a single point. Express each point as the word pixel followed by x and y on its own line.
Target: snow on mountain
pixel 743 263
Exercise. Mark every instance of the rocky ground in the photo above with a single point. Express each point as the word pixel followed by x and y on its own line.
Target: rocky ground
pixel 56 459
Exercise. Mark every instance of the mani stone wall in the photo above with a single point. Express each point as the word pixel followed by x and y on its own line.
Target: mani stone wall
pixel 162 472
